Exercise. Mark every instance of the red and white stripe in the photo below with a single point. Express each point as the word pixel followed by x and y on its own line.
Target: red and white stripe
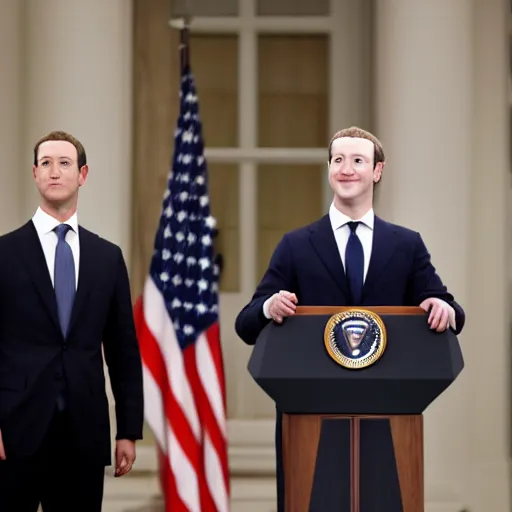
pixel 185 407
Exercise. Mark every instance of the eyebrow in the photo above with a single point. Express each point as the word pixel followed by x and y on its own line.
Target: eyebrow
pixel 356 154
pixel 59 157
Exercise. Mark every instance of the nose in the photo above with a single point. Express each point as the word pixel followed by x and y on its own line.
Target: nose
pixel 346 168
pixel 54 172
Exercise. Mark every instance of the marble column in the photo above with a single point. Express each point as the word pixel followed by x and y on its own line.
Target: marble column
pixel 11 113
pixel 423 85
pixel 487 345
pixel 78 79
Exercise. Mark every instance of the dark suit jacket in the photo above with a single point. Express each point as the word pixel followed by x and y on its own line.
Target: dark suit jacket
pixel 307 262
pixel 37 363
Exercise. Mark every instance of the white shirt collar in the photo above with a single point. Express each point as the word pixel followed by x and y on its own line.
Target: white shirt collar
pixel 45 223
pixel 339 219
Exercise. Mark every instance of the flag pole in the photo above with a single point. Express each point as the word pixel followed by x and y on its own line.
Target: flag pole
pixel 184 43
pixel 183 25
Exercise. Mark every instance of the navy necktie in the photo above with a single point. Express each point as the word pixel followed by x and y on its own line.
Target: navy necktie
pixel 354 264
pixel 64 278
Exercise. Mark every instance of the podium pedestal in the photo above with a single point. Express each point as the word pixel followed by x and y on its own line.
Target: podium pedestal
pixel 405 441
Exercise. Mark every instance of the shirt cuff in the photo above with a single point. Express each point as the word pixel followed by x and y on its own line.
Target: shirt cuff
pixel 266 307
pixel 451 317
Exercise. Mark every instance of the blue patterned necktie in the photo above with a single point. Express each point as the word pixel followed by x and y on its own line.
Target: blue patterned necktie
pixel 64 278
pixel 354 264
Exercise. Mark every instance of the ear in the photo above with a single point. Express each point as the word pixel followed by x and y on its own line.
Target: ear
pixel 83 172
pixel 377 172
pixel 34 168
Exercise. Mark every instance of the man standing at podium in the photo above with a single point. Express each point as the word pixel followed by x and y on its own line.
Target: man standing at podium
pixel 350 257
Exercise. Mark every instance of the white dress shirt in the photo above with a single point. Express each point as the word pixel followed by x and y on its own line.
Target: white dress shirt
pixel 342 232
pixel 339 224
pixel 45 225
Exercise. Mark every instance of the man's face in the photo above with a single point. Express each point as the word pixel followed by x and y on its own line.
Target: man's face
pixel 351 170
pixel 57 175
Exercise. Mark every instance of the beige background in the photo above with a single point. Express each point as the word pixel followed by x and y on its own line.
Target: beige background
pixel 431 78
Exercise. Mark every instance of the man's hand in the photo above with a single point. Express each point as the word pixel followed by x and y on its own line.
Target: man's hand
pixel 442 315
pixel 2 449
pixel 125 456
pixel 282 305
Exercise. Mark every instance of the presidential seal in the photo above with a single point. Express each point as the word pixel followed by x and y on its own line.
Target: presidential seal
pixel 355 338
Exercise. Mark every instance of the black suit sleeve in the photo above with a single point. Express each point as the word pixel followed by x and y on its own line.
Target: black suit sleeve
pixel 426 283
pixel 123 358
pixel 279 276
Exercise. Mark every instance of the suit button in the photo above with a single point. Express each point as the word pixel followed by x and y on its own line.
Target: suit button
pixel 58 376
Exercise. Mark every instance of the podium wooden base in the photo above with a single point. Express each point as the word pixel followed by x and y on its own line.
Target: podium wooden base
pixel 374 442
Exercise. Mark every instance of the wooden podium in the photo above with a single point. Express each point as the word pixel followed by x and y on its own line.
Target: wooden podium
pixel 353 439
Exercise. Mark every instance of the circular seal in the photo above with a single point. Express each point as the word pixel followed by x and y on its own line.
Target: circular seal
pixel 355 338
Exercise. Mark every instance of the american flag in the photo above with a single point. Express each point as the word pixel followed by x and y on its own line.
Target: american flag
pixel 177 320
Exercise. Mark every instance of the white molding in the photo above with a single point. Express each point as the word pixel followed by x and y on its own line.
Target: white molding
pixel 267 155
pixel 251 447
pixel 247 129
pixel 336 101
pixel 242 432
pixel 444 507
pixel 250 452
pixel 146 460
pixel 248 226
pixel 248 461
pixel 260 24
pixel 251 461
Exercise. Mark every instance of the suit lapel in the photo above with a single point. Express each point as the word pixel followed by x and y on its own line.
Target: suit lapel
pixel 32 255
pixel 324 244
pixel 85 272
pixel 383 247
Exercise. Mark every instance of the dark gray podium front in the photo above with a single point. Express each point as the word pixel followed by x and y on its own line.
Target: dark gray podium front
pixel 353 439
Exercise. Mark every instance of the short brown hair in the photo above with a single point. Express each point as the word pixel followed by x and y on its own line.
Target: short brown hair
pixel 354 131
pixel 60 135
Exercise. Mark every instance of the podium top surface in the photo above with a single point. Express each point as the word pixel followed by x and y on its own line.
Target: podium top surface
pixel 379 310
pixel 293 363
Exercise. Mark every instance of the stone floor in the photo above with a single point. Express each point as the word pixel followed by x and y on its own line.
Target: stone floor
pixel 132 493
pixel 140 492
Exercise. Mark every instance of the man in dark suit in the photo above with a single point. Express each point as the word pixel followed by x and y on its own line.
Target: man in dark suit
pixel 349 257
pixel 64 295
